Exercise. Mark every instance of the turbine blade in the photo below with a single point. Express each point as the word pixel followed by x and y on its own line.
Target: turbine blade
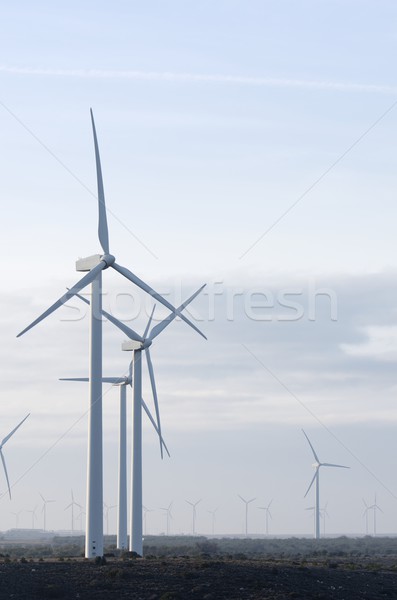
pixel 13 431
pixel 69 294
pixel 310 444
pixel 249 501
pixel 130 333
pixel 241 498
pixel 149 322
pixel 332 465
pixel 103 233
pixel 5 471
pixel 113 380
pixel 144 286
pixel 154 392
pixel 153 422
pixel 161 326
pixel 311 483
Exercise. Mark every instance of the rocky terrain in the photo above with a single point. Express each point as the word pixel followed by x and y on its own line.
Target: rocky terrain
pixel 195 578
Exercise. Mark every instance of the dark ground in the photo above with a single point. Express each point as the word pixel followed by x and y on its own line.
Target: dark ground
pixel 198 578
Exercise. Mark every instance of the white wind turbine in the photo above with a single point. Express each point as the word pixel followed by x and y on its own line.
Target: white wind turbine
pixel 95 265
pixel 16 514
pixel 316 478
pixel 3 442
pixel 33 513
pixel 107 510
pixel 137 344
pixel 44 510
pixel 168 517
pixel 122 382
pixel 72 505
pixel 374 507
pixel 365 514
pixel 194 514
pixel 213 513
pixel 246 502
pixel 267 514
pixel 145 513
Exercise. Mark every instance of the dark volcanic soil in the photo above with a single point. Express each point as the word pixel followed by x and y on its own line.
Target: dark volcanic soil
pixel 180 579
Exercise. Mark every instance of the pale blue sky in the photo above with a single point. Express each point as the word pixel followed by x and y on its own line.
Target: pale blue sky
pixel 213 119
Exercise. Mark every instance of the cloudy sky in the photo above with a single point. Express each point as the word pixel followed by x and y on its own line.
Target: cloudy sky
pixel 248 145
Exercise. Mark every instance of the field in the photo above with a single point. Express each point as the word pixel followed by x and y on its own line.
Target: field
pixel 182 568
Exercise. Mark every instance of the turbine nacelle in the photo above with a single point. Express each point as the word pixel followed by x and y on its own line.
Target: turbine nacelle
pixel 131 345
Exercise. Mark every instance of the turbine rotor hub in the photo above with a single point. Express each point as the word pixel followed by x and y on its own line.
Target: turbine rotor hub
pixel 146 344
pixel 108 259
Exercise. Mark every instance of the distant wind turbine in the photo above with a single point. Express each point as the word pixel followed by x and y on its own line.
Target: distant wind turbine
pixel 107 510
pixel 44 510
pixel 316 478
pixel 94 265
pixel 246 502
pixel 3 442
pixel 267 514
pixel 16 514
pixel 374 507
pixel 33 513
pixel 365 515
pixel 72 505
pixel 168 517
pixel 213 513
pixel 145 513
pixel 194 514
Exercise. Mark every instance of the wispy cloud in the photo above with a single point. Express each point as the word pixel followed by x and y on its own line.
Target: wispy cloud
pixel 167 76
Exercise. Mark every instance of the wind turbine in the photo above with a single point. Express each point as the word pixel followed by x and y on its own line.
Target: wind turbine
pixel 365 514
pixel 122 382
pixel 44 510
pixel 145 512
pixel 267 514
pixel 72 505
pixel 137 344
pixel 33 513
pixel 375 507
pixel 107 509
pixel 16 514
pixel 3 442
pixel 316 478
pixel 194 514
pixel 168 516
pixel 246 511
pixel 213 513
pixel 95 265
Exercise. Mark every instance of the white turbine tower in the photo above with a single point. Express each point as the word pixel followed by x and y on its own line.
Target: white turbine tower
pixel 374 507
pixel 246 502
pixel 44 510
pixel 122 382
pixel 213 513
pixel 137 344
pixel 72 505
pixel 33 513
pixel 194 514
pixel 145 514
pixel 168 517
pixel 365 515
pixel 3 442
pixel 16 514
pixel 95 265
pixel 107 509
pixel 316 478
pixel 267 514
